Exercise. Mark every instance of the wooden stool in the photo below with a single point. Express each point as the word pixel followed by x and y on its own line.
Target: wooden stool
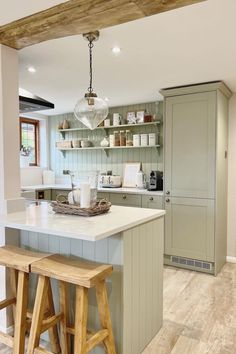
pixel 19 262
pixel 84 275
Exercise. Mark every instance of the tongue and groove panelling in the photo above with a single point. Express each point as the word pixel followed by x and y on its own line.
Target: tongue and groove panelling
pixel 97 160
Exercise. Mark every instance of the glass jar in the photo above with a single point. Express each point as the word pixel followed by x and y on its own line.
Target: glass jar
pixel 122 138
pixel 136 140
pixel 112 140
pixel 129 138
pixel 117 138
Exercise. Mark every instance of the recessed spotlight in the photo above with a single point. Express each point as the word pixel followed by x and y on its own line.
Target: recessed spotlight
pixel 116 50
pixel 31 69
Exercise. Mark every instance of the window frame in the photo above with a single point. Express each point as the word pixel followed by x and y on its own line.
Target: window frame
pixel 36 123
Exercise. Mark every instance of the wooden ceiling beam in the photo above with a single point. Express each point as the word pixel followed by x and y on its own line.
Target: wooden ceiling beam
pixel 80 16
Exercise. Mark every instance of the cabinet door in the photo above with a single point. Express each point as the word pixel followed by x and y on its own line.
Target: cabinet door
pixel 190 145
pixel 133 200
pixel 56 192
pixel 189 228
pixel 152 201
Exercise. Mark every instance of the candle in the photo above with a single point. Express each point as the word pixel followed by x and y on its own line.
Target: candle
pixel 85 195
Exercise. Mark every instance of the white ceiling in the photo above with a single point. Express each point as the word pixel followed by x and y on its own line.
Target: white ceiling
pixel 12 10
pixel 189 45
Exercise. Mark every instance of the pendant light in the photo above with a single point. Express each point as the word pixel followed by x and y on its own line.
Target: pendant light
pixel 91 110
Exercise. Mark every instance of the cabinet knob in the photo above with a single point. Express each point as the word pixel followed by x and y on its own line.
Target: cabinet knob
pixel 151 199
pixel 167 192
pixel 124 196
pixel 167 200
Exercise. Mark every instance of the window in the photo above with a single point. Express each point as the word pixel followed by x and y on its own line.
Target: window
pixel 29 138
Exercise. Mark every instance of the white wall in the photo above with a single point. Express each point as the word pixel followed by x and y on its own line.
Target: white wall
pixel 232 179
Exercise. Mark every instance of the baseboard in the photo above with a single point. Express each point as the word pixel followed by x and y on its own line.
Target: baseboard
pixel 230 259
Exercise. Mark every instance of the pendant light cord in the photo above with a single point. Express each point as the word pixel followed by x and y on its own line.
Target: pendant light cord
pixel 90 45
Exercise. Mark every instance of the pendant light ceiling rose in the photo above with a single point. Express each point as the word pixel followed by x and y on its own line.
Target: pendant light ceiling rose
pixel 91 36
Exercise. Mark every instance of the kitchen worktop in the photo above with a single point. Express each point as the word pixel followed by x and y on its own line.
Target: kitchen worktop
pixel 39 217
pixel 109 190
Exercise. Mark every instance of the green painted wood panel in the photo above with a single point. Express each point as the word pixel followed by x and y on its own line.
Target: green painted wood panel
pixel 189 228
pixel 190 145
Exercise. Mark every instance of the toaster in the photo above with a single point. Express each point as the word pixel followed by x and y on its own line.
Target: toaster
pixel 106 181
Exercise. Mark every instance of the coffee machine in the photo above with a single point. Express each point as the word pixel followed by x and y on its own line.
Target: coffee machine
pixel 155 181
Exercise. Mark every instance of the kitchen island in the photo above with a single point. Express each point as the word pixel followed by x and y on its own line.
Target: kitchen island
pixel 131 239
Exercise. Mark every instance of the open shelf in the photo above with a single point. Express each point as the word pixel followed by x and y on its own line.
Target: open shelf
pixel 105 149
pixel 63 131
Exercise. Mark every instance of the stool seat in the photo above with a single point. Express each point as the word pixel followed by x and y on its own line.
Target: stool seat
pixel 18 261
pixel 18 258
pixel 74 271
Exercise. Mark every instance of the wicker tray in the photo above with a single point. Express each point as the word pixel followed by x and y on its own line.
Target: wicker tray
pixel 63 207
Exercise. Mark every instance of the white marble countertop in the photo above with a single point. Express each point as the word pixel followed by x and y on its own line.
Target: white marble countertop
pixel 40 218
pixel 107 190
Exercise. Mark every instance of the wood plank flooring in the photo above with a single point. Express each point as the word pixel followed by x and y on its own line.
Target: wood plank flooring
pixel 199 314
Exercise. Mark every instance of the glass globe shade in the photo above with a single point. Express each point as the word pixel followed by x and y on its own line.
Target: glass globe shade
pixel 91 111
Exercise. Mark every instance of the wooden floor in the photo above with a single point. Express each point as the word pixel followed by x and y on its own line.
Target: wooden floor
pixel 199 314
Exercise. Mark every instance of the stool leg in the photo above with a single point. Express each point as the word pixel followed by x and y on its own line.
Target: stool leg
pixel 13 274
pixel 53 334
pixel 104 315
pixel 64 323
pixel 81 317
pixel 38 313
pixel 21 313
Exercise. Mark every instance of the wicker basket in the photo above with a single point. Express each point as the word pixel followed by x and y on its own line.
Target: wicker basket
pixel 63 207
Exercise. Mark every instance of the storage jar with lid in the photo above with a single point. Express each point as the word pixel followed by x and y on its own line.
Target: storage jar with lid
pixel 136 140
pixel 112 140
pixel 117 138
pixel 129 138
pixel 122 138
pixel 152 139
pixel 144 139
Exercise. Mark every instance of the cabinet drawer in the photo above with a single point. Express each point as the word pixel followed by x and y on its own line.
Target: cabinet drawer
pixel 103 195
pixel 57 192
pixel 126 199
pixel 152 201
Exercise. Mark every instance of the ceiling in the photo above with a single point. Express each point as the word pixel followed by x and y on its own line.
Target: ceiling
pixel 188 45
pixel 12 10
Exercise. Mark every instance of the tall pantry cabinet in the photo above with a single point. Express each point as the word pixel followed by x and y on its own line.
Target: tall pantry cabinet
pixel 196 131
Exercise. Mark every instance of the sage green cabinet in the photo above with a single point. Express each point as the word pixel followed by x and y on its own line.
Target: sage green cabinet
pixel 57 192
pixel 152 201
pixel 189 228
pixel 190 127
pixel 126 199
pixel 195 170
pixel 103 195
pixel 44 194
